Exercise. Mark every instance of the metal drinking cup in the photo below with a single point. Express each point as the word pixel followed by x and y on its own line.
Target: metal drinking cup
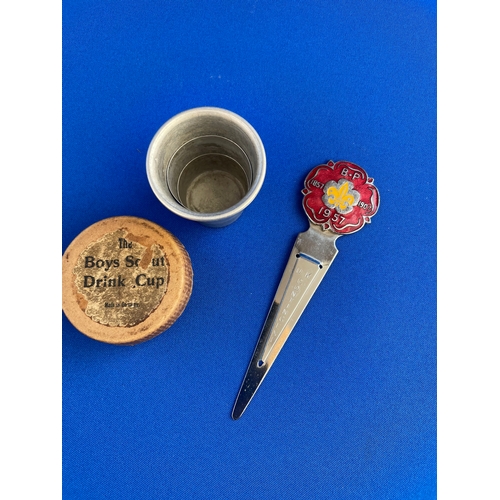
pixel 207 165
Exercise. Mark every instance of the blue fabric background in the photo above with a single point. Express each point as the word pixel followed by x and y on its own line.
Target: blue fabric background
pixel 348 410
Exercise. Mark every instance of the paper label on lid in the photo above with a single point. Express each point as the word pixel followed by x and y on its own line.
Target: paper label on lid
pixel 120 281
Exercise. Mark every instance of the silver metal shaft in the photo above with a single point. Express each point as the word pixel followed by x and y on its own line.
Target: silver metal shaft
pixel 311 256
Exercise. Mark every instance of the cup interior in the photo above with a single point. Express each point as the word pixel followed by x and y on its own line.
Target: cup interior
pixel 209 174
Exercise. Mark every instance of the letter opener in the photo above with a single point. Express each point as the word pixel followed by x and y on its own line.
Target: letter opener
pixel 339 198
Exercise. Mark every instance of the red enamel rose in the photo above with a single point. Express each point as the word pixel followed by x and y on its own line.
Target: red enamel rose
pixel 340 197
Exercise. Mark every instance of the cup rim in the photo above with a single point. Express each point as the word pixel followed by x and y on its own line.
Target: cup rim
pixel 173 205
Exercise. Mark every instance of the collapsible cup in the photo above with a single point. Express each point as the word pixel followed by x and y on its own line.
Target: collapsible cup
pixel 207 165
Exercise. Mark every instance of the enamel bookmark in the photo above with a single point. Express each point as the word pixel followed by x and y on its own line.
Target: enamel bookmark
pixel 339 198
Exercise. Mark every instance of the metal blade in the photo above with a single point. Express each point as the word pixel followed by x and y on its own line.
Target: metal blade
pixel 310 259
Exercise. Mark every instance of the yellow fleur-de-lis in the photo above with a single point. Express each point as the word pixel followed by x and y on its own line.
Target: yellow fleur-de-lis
pixel 340 197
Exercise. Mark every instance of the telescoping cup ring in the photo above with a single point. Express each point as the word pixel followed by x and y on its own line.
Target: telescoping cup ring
pixel 207 165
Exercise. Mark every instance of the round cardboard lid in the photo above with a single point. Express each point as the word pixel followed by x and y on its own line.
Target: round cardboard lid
pixel 125 280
